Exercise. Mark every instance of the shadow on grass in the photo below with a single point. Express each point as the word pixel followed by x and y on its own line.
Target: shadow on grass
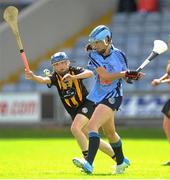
pixel 103 174
pixel 55 132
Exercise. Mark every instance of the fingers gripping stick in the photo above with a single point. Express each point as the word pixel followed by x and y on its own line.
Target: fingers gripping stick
pixel 133 75
pixel 11 17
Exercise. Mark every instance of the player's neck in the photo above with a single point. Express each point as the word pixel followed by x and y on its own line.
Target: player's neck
pixel 107 52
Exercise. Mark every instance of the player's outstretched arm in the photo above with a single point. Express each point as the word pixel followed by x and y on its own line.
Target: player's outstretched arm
pixel 85 74
pixel 163 79
pixel 38 79
pixel 166 81
pixel 134 75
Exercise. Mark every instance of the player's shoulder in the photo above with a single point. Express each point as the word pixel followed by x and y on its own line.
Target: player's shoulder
pixel 93 54
pixel 53 74
pixel 118 50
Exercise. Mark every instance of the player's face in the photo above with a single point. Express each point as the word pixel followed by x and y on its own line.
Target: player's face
pixel 99 46
pixel 61 67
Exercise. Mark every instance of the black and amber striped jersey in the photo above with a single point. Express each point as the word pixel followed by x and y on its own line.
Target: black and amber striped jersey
pixel 72 92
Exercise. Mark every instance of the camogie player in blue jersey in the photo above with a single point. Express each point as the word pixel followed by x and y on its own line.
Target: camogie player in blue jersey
pixel 110 68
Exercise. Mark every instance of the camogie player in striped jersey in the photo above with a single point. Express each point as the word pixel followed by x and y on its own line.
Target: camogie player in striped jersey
pixel 73 94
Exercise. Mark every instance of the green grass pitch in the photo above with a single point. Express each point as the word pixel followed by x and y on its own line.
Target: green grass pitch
pixel 47 154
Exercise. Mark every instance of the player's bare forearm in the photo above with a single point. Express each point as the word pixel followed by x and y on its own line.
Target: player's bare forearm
pixel 41 80
pixel 165 76
pixel 109 76
pixel 165 81
pixel 38 79
pixel 114 76
pixel 84 75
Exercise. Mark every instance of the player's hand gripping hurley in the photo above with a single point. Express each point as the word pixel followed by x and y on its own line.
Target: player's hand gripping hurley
pixel 159 48
pixel 11 17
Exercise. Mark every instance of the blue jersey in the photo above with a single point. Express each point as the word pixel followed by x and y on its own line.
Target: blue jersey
pixel 114 62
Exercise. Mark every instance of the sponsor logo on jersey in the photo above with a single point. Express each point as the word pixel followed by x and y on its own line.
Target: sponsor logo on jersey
pixel 111 100
pixel 84 110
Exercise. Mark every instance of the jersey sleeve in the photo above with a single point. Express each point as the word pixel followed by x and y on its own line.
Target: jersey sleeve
pixel 123 59
pixel 78 70
pixel 53 80
pixel 90 66
pixel 95 60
